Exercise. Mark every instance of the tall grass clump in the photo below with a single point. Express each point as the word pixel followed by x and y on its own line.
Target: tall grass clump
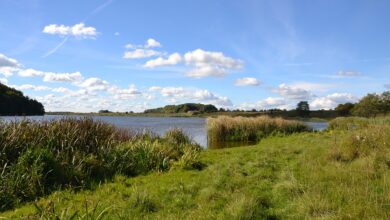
pixel 224 128
pixel 370 141
pixel 356 123
pixel 37 158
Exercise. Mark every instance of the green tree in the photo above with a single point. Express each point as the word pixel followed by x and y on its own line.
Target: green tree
pixel 370 105
pixel 385 102
pixel 344 109
pixel 303 108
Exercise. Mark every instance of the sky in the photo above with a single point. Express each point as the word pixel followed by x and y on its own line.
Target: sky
pixel 127 55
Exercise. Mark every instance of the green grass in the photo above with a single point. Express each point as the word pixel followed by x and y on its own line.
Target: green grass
pixel 292 177
pixel 37 158
pixel 337 174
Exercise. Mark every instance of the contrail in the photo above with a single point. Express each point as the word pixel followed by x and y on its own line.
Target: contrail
pixel 94 12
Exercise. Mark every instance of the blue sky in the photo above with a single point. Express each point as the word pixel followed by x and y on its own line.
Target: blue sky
pixel 131 55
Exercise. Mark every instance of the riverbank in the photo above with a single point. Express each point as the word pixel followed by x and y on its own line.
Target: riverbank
pixel 298 176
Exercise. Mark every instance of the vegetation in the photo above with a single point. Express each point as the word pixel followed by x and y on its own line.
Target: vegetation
pixel 303 108
pixel 184 108
pixel 225 128
pixel 344 109
pixel 13 102
pixel 372 105
pixel 37 158
pixel 338 174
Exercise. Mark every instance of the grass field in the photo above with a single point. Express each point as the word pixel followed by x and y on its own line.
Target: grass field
pixel 343 173
pixel 292 177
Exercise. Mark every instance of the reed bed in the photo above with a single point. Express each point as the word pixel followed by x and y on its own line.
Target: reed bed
pixel 224 128
pixel 37 158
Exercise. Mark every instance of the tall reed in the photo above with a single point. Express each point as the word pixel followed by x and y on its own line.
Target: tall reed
pixel 224 128
pixel 39 157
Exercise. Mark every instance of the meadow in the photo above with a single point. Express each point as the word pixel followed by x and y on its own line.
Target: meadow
pixel 341 173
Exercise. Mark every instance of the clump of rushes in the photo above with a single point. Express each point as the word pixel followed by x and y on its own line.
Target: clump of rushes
pixel 224 128
pixel 37 158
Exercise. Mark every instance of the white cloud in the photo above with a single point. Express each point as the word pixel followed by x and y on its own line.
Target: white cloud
pixel 32 87
pixel 152 43
pixel 292 92
pixel 312 86
pixel 129 93
pixel 8 71
pixel 77 30
pixel 202 63
pixel 247 81
pixel 140 53
pixel 4 81
pixel 180 94
pixel 387 86
pixel 95 84
pixel 173 59
pixel 8 62
pixel 332 100
pixel 344 73
pixel 204 71
pixel 62 77
pixel 30 73
pixel 268 103
pixel 201 58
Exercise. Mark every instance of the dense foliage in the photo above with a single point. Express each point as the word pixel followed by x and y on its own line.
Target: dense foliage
pixel 372 105
pixel 184 108
pixel 37 158
pixel 13 102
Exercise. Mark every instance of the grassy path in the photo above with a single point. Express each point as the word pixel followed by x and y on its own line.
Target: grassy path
pixel 281 178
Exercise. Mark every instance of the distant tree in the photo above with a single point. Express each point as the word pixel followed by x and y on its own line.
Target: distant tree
pixel 385 102
pixel 303 108
pixel 368 106
pixel 344 109
pixel 104 111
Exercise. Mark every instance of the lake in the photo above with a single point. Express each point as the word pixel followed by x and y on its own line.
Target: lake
pixel 194 127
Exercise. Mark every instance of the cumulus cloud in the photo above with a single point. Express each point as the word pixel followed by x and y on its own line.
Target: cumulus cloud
pixel 210 63
pixel 32 87
pixel 176 94
pixel 332 100
pixel 292 92
pixel 77 30
pixel 30 73
pixel 4 81
pixel 205 71
pixel 152 43
pixel 247 81
pixel 173 59
pixel 95 84
pixel 140 53
pixel 62 77
pixel 344 73
pixel 202 63
pixel 8 62
pixel 8 65
pixel 268 103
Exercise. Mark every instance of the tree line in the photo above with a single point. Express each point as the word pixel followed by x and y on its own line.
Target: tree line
pixel 13 102
pixel 370 105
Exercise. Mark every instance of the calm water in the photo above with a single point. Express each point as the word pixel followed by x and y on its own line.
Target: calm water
pixel 194 127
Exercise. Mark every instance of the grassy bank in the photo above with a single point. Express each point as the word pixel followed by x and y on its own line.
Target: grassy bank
pixel 37 158
pixel 338 174
pixel 250 129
